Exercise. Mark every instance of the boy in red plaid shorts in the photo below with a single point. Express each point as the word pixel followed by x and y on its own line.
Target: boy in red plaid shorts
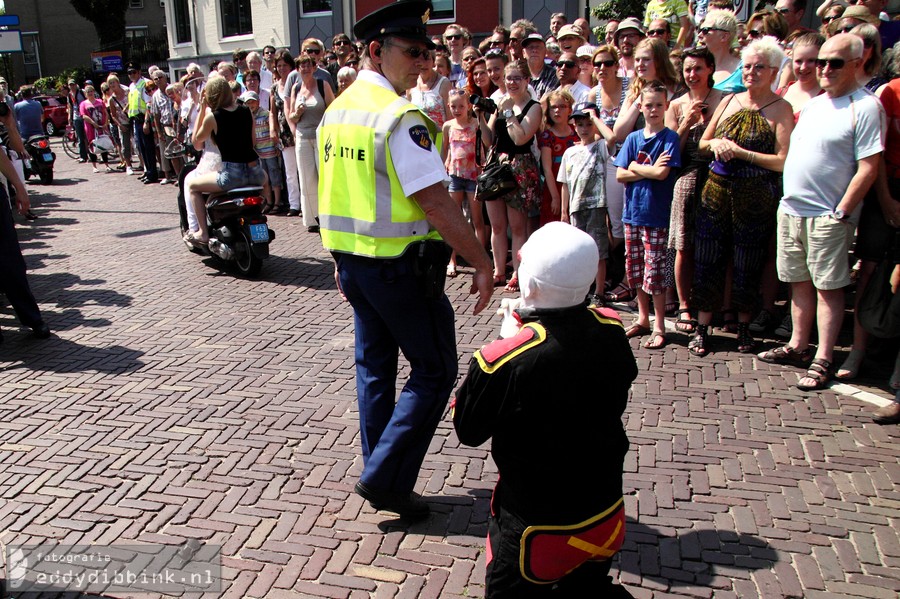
pixel 648 165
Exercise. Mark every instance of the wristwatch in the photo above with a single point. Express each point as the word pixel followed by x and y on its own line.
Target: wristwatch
pixel 508 113
pixel 839 214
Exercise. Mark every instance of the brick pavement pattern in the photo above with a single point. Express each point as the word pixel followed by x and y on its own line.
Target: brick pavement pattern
pixel 177 401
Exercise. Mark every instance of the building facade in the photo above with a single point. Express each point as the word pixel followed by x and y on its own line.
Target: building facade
pixel 56 38
pixel 205 31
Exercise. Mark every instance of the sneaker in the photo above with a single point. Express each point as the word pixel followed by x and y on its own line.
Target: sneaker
pixel 164 181
pixel 785 329
pixel 764 321
pixel 96 170
pixel 129 171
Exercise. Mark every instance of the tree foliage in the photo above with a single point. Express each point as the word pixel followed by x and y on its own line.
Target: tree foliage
pixel 108 17
pixel 620 9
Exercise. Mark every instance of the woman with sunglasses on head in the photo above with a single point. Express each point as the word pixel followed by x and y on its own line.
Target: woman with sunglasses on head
pixel 311 97
pixel 431 93
pixel 829 13
pixel 689 116
pixel 870 74
pixel 748 137
pixel 609 96
pixel 511 130
pixel 717 33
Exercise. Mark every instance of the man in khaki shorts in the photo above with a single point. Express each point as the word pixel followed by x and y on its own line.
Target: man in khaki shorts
pixel 827 172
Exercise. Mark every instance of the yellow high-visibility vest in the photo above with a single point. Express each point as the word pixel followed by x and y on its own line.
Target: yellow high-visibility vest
pixel 362 207
pixel 136 103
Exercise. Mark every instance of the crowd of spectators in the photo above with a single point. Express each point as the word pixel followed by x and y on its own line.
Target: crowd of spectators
pixel 691 228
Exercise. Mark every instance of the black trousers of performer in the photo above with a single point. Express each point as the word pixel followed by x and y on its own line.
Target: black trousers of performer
pixel 13 281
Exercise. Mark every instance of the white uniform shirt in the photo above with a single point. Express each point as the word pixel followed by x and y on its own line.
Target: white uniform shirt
pixel 416 167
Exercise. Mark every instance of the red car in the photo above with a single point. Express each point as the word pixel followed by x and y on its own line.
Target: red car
pixel 56 115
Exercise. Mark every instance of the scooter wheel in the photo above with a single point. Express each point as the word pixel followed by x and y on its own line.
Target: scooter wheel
pixel 247 262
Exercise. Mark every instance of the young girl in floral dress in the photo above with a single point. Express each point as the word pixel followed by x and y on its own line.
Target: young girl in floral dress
pixel 459 158
pixel 553 143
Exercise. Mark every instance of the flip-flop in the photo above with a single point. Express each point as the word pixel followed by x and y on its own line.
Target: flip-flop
pixel 513 285
pixel 195 241
pixel 637 330
pixel 656 341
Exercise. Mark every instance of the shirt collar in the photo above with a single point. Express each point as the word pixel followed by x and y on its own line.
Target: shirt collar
pixel 376 78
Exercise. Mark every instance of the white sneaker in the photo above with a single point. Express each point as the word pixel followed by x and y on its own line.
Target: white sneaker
pixel 164 181
pixel 129 171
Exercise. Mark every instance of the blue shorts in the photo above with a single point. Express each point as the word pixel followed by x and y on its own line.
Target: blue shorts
pixel 273 169
pixel 460 184
pixel 239 174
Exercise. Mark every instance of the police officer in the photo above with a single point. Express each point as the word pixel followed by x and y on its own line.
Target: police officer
pixel 13 281
pixel 387 219
pixel 138 98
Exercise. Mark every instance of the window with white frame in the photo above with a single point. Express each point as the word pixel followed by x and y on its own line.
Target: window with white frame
pixel 236 17
pixel 315 7
pixel 181 18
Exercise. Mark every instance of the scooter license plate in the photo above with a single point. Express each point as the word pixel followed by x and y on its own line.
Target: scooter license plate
pixel 259 233
pixel 48 157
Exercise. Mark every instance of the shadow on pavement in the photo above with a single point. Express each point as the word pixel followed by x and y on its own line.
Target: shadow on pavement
pixel 9 592
pixel 59 355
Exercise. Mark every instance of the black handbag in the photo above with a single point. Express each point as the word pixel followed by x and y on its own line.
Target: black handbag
pixel 496 178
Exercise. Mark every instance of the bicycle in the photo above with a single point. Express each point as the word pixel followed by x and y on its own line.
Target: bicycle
pixel 70 145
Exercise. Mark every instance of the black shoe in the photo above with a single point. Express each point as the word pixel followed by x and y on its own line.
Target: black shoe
pixel 1 336
pixel 293 212
pixel 151 181
pixel 40 330
pixel 409 506
pixel 312 229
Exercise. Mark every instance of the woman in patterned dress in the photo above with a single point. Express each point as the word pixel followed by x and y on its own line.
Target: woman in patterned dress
pixel 748 137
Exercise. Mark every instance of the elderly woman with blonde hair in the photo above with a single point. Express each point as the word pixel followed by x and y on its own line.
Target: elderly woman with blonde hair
pixel 748 137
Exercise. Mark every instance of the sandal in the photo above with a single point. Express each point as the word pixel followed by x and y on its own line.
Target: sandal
pixel 656 341
pixel 744 338
pixel 786 355
pixel 451 271
pixel 699 344
pixel 499 280
pixel 685 324
pixel 637 330
pixel 195 240
pixel 821 372
pixel 729 321
pixel 513 285
pixel 851 366
pixel 622 293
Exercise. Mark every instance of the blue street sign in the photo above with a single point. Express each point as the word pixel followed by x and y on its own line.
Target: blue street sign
pixel 9 20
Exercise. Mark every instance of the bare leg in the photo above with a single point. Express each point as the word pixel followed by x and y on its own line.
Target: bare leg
pixel 684 273
pixel 803 312
pixel 850 367
pixel 643 302
pixel 518 224
pixel 499 243
pixel 830 316
pixel 458 197
pixel 475 213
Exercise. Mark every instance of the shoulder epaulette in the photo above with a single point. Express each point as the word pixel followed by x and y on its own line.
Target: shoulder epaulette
pixel 606 315
pixel 494 355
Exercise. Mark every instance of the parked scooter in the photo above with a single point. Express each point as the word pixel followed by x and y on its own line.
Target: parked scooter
pixel 238 230
pixel 41 158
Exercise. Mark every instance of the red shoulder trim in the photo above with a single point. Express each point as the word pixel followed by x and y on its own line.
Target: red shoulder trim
pixel 496 354
pixel 494 351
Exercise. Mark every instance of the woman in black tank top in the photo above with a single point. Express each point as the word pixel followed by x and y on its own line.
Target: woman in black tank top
pixel 511 129
pixel 231 127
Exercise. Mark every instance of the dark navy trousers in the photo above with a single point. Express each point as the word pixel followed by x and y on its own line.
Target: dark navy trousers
pixel 13 281
pixel 392 315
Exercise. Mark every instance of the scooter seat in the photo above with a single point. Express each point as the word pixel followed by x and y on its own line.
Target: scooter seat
pixel 236 192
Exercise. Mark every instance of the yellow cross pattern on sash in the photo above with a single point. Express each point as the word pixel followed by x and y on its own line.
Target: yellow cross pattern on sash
pixel 596 549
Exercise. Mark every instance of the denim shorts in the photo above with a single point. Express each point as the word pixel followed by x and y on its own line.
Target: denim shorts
pixel 460 184
pixel 239 174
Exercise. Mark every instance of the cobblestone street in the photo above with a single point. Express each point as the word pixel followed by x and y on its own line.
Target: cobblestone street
pixel 177 401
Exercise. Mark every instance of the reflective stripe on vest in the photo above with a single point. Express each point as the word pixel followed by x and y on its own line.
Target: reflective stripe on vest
pixel 354 157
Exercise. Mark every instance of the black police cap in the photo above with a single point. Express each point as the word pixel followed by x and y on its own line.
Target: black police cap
pixel 405 19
